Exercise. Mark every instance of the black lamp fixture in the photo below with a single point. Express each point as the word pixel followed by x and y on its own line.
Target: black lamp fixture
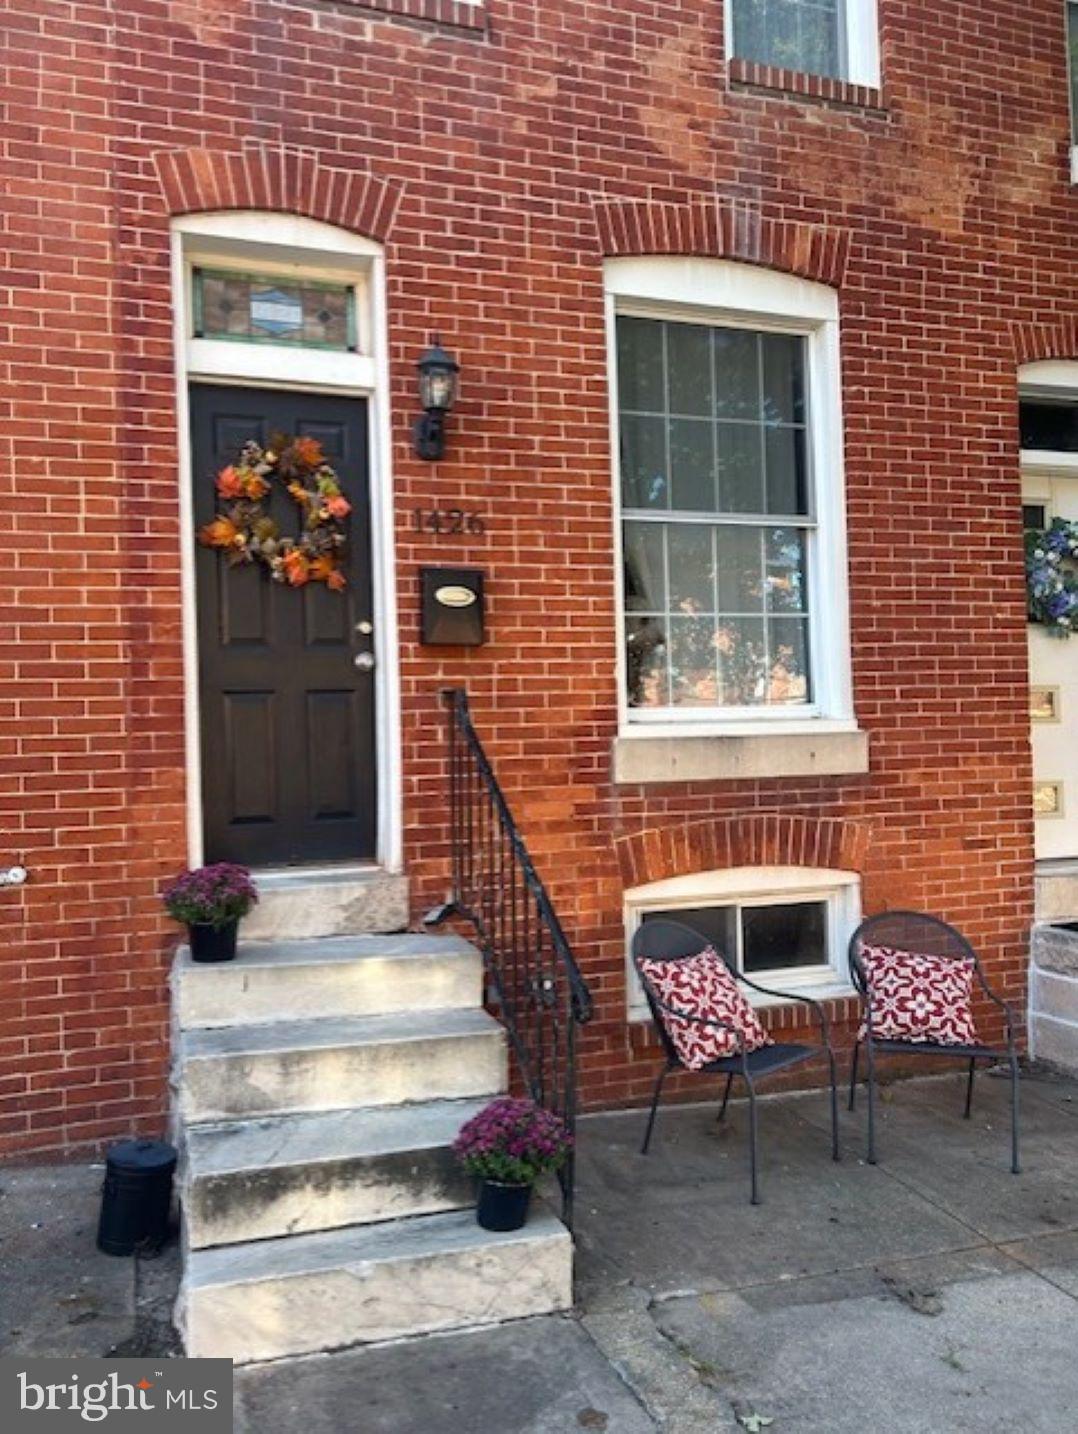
pixel 438 372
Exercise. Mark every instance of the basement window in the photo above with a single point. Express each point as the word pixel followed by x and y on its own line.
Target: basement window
pixel 786 927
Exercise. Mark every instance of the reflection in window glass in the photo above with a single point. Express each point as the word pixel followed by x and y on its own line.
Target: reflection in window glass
pixel 261 309
pixel 716 504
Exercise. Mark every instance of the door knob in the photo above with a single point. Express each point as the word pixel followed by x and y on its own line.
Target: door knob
pixel 364 661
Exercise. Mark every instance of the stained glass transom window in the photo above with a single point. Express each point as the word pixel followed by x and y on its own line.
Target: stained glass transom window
pixel 267 309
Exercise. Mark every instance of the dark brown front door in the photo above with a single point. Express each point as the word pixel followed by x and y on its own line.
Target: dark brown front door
pixel 287 719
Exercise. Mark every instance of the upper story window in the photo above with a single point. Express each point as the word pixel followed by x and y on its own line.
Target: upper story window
pixel 730 483
pixel 715 502
pixel 835 38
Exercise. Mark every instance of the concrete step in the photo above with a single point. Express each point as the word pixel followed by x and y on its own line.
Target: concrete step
pixel 282 1067
pixel 307 902
pixel 325 1291
pixel 332 976
pixel 260 1179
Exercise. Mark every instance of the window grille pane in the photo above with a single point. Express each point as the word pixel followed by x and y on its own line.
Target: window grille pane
pixel 265 309
pixel 641 386
pixel 717 925
pixel 779 937
pixel 803 35
pixel 1052 426
pixel 645 582
pixel 646 666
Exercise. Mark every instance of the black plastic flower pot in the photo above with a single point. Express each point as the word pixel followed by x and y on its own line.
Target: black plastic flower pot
pixel 502 1207
pixel 213 943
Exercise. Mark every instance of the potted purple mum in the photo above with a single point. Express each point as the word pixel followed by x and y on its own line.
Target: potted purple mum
pixel 507 1146
pixel 210 901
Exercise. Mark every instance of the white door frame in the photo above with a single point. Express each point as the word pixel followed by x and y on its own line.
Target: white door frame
pixel 291 245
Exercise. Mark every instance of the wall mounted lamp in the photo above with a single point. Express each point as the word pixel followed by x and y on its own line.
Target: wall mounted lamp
pixel 438 372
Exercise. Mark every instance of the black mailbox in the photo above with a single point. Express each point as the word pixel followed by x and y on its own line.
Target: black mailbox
pixel 452 607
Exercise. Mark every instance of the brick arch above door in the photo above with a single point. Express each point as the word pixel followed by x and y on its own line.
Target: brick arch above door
pixel 721 229
pixel 277 179
pixel 760 839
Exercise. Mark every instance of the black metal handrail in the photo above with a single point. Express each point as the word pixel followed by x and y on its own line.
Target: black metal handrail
pixel 533 980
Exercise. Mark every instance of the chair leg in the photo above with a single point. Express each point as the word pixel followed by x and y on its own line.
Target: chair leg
pixel 871 1101
pixel 835 1153
pixel 969 1087
pixel 753 1142
pixel 726 1094
pixel 654 1108
pixel 1016 1168
pixel 853 1073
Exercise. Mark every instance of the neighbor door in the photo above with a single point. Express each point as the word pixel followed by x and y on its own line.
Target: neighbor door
pixel 1053 680
pixel 287 715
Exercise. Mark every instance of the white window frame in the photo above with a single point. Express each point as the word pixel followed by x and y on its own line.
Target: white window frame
pixel 731 294
pixel 757 886
pixel 295 247
pixel 861 40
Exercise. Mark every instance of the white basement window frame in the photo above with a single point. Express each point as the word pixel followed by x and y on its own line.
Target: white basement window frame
pixel 753 887
pixel 725 294
pixel 855 57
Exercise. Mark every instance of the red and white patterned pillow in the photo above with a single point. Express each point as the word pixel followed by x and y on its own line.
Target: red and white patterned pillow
pixel 919 998
pixel 703 986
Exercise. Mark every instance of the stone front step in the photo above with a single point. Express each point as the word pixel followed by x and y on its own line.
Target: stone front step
pixel 307 902
pixel 282 1067
pixel 335 976
pixel 325 1291
pixel 289 1175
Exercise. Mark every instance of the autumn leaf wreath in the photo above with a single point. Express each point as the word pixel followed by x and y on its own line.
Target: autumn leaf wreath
pixel 245 532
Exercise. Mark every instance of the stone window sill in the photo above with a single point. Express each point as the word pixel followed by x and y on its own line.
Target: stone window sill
pixel 459 14
pixel 643 758
pixel 747 74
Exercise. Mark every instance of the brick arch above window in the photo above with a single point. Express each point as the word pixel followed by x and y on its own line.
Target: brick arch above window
pixel 762 839
pixel 722 229
pixel 1036 343
pixel 280 180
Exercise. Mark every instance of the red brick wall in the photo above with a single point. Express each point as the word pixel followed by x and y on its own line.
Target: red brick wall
pixel 492 147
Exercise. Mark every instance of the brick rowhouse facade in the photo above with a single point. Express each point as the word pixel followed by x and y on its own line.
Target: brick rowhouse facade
pixel 500 152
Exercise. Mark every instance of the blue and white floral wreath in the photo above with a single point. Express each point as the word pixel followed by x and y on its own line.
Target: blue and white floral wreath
pixel 1052 576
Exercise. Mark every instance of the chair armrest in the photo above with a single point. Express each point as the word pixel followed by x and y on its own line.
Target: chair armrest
pixel 713 1022
pixel 1004 1006
pixel 817 1006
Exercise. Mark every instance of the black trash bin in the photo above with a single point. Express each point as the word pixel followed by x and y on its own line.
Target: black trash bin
pixel 136 1197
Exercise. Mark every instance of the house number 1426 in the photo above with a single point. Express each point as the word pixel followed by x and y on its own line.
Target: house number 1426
pixel 448 521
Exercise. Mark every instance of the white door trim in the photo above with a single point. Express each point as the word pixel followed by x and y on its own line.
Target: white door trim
pixel 290 244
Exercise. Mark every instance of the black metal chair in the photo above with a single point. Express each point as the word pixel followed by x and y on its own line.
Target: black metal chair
pixel 923 935
pixel 674 941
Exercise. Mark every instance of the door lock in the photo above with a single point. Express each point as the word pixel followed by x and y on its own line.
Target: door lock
pixel 364 661
pixel 365 627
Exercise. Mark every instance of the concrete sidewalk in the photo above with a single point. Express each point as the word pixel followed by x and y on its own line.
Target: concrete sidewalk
pixel 934 1292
